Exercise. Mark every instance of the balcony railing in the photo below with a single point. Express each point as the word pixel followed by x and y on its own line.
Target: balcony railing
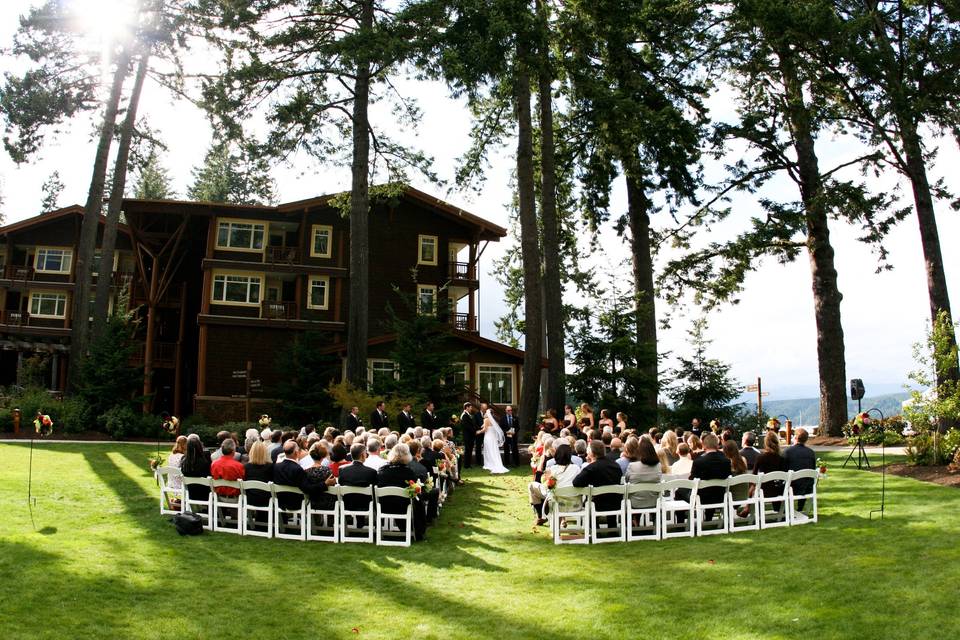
pixel 282 255
pixel 279 310
pixel 164 354
pixel 15 318
pixel 462 271
pixel 463 322
pixel 18 272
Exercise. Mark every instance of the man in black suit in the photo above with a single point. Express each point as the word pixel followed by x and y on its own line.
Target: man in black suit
pixel 799 457
pixel 353 419
pixel 469 434
pixel 429 419
pixel 749 452
pixel 711 465
pixel 289 472
pixel 601 472
pixel 379 419
pixel 695 427
pixel 428 499
pixel 510 428
pixel 405 419
pixel 478 432
pixel 357 474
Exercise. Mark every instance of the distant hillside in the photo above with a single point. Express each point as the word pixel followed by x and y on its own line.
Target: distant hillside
pixel 807 410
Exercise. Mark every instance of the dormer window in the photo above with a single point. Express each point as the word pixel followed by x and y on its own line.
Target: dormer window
pixel 428 250
pixel 322 241
pixel 238 235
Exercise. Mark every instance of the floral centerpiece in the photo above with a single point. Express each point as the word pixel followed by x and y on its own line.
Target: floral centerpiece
pixel 551 483
pixel 413 489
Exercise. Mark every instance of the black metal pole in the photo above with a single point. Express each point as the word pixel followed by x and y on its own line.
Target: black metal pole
pixel 883 466
pixel 30 486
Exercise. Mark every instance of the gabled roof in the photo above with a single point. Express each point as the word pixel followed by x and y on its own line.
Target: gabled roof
pixel 465 336
pixel 50 216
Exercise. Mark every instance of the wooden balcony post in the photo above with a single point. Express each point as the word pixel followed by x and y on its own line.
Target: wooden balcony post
pixel 148 348
pixel 178 358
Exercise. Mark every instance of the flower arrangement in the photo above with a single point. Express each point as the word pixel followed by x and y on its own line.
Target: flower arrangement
pixel 413 488
pixel 429 485
pixel 551 483
pixel 156 460
pixel 822 465
pixel 773 423
pixel 43 425
pixel 265 420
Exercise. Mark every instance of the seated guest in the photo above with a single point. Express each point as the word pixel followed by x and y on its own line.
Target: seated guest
pixel 669 444
pixel 289 472
pixel 768 461
pixel 275 444
pixel 357 474
pixel 681 468
pixel 562 470
pixel 427 455
pixel 258 468
pixel 748 451
pixel 696 446
pixel 175 459
pixel 797 458
pixel 373 459
pixel 216 453
pixel 397 473
pixel 429 498
pixel 285 437
pixel 317 478
pixel 644 466
pixel 580 453
pixel 601 472
pixel 738 466
pixel 616 449
pixel 712 465
pixel 227 468
pixel 196 465
pixel 338 458
pixel 727 434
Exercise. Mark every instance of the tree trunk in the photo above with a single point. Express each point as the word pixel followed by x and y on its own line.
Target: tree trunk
pixel 108 244
pixel 826 294
pixel 358 316
pixel 87 245
pixel 553 291
pixel 645 304
pixel 529 250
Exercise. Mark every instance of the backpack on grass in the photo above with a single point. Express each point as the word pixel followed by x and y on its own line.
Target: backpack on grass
pixel 188 524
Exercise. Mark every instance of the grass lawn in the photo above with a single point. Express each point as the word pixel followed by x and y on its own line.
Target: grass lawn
pixel 105 564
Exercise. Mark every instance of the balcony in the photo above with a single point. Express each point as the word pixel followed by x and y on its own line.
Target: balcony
pixel 18 272
pixel 282 255
pixel 14 318
pixel 462 271
pixel 463 322
pixel 164 355
pixel 279 310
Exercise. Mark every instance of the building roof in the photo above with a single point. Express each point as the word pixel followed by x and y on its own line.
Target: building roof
pixel 51 216
pixel 488 230
pixel 465 336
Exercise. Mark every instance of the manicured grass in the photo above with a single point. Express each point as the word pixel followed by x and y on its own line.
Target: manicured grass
pixel 105 564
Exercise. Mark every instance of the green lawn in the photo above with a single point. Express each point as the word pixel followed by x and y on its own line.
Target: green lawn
pixel 105 564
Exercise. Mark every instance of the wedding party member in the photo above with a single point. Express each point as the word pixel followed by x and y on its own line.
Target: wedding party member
pixel 405 418
pixel 586 414
pixel 644 467
pixel 479 415
pixel 797 458
pixel 379 419
pixel 569 416
pixel 550 422
pixel 621 425
pixel 429 419
pixel 468 434
pixel 605 421
pixel 695 427
pixel 748 451
pixel 227 468
pixel 712 465
pixel 563 471
pixel 175 459
pixel 353 419
pixel 493 438
pixel 510 430
pixel 196 465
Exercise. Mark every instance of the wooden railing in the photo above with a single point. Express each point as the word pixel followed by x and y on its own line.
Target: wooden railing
pixel 18 272
pixel 282 255
pixel 279 310
pixel 462 271
pixel 16 318
pixel 164 354
pixel 463 322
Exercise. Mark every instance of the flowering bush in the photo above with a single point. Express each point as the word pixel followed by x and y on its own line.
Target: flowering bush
pixel 888 431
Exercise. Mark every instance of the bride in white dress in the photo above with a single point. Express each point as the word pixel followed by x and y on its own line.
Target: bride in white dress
pixel 493 439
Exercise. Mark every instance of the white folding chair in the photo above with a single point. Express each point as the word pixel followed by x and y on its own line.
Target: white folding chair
pixel 779 513
pixel 203 507
pixel 671 506
pixel 647 526
pixel 294 526
pixel 226 510
pixel 324 524
pixel 719 522
pixel 394 529
pixel 570 515
pixel 351 529
pixel 164 476
pixel 251 515
pixel 797 516
pixel 734 504
pixel 607 533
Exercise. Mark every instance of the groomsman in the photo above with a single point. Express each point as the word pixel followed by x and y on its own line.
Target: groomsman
pixel 428 419
pixel 353 419
pixel 405 419
pixel 379 419
pixel 510 426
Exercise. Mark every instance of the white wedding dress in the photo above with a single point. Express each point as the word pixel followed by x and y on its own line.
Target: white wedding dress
pixel 493 439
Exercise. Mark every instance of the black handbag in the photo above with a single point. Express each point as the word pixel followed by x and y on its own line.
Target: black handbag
pixel 188 524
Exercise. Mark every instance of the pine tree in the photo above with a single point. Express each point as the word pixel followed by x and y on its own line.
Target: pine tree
pixel 302 389
pixel 52 189
pixel 152 178
pixel 232 175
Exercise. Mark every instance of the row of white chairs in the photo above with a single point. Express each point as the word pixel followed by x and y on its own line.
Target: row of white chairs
pixel 679 509
pixel 242 516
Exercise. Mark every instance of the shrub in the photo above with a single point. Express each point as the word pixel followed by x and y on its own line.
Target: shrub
pixel 207 432
pixel 6 420
pixel 75 416
pixel 929 447
pixel 888 431
pixel 121 422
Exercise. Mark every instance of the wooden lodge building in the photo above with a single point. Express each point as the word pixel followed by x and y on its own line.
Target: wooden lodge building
pixel 217 285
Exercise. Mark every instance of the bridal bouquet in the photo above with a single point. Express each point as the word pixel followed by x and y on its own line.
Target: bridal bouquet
pixel 413 488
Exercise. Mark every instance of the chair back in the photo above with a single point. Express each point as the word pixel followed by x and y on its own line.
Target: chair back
pixel 743 478
pixel 256 485
pixel 391 492
pixel 356 491
pixel 233 484
pixel 774 476
pixel 804 474
pixel 713 484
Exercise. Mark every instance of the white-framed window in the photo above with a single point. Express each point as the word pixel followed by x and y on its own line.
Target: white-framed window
pixel 460 375
pixel 48 304
pixel 495 382
pixel 319 293
pixel 321 241
pixel 380 371
pixel 97 255
pixel 427 299
pixel 427 251
pixel 52 260
pixel 236 288
pixel 240 235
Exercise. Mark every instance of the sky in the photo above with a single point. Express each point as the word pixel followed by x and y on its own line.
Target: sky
pixel 770 333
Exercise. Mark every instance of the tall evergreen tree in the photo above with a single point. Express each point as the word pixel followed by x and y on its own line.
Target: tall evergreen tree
pixel 233 176
pixel 152 178
pixel 52 188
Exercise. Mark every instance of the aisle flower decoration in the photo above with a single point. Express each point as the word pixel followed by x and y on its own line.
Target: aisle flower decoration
pixel 822 465
pixel 413 488
pixel 43 424
pixel 551 483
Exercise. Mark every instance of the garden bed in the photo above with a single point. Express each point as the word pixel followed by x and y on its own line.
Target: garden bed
pixel 935 474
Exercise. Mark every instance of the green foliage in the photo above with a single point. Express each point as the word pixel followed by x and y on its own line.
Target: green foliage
pixel 888 431
pixel 153 181
pixel 34 370
pixel 107 379
pixel 198 425
pixel 6 420
pixel 122 421
pixel 52 189
pixel 345 396
pixel 307 369
pixel 930 447
pixel 75 415
pixel 232 174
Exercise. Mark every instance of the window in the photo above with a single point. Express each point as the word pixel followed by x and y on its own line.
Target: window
pixel 97 256
pixel 428 250
pixel 320 245
pixel 381 373
pixel 426 299
pixel 45 304
pixel 242 236
pixel 231 288
pixel 319 293
pixel 53 260
pixel 458 378
pixel 496 383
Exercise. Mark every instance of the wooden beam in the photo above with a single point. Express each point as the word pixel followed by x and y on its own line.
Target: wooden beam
pixel 202 362
pixel 178 360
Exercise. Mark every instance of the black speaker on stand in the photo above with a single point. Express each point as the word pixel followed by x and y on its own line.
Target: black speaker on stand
pixel 857 392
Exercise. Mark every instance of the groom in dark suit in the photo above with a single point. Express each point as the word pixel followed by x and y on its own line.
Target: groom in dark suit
pixel 510 425
pixel 469 433
pixel 478 423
